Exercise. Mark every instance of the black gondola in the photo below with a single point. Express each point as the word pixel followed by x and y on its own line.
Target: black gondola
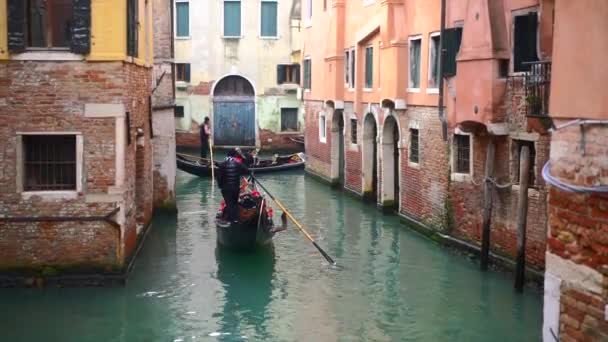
pixel 201 167
pixel 255 227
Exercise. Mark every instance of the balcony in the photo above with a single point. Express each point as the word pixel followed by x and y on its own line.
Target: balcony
pixel 537 84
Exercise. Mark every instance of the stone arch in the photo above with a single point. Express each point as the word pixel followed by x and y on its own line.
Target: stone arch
pixel 391 157
pixel 234 115
pixel 369 161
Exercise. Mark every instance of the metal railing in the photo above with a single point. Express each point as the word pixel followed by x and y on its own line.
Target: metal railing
pixel 537 86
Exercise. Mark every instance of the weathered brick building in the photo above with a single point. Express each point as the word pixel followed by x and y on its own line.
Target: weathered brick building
pixel 374 123
pixel 76 159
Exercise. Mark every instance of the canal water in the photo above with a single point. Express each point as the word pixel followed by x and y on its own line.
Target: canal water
pixel 393 284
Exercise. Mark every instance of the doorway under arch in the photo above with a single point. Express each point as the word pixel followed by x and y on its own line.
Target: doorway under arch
pixel 390 197
pixel 337 148
pixel 370 158
pixel 234 112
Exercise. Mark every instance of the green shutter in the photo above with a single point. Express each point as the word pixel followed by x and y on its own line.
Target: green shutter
pixel 16 26
pixel 232 18
pixel 269 19
pixel 307 74
pixel 132 20
pixel 81 27
pixel 187 72
pixel 183 19
pixel 369 67
pixel 451 44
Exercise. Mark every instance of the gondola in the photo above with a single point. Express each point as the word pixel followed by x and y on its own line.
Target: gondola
pixel 255 227
pixel 202 167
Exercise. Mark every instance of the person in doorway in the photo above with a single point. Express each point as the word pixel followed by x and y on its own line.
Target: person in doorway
pixel 205 132
pixel 229 181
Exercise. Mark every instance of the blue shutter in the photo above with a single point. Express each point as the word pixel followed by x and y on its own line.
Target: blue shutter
pixel 183 19
pixel 369 67
pixel 232 18
pixel 269 19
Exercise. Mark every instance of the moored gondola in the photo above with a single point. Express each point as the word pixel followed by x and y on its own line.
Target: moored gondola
pixel 202 167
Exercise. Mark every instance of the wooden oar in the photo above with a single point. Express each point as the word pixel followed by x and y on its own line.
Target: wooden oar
pixel 298 225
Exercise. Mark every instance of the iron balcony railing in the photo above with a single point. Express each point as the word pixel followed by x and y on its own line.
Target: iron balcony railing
pixel 537 86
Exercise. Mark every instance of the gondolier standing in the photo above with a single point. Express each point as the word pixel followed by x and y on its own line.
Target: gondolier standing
pixel 229 180
pixel 205 132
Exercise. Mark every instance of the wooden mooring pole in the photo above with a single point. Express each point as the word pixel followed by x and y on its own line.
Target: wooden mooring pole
pixel 487 206
pixel 522 215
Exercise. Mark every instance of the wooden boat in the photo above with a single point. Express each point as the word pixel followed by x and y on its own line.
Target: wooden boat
pixel 202 167
pixel 254 228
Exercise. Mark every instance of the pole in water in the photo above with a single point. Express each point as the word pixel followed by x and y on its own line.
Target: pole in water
pixel 522 215
pixel 487 207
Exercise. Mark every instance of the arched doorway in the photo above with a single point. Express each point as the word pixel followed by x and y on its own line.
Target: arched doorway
pixel 337 148
pixel 390 163
pixel 234 112
pixel 370 158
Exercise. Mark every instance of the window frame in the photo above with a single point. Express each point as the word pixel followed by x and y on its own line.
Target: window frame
pixel 410 145
pixel 189 36
pixel 322 124
pixel 20 167
pixel 410 88
pixel 370 86
pixel 47 31
pixel 459 176
pixel 518 13
pixel 277 36
pixel 187 75
pixel 175 111
pixel 351 66
pixel 224 36
pixel 435 88
pixel 354 138
pixel 297 129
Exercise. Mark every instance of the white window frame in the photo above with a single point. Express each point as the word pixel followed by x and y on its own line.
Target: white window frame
pixel 260 26
pixel 352 69
pixel 189 36
pixel 409 74
pixel 457 176
pixel 322 124
pixel 410 163
pixel 49 194
pixel 241 20
pixel 432 90
pixel 346 68
pixel 518 13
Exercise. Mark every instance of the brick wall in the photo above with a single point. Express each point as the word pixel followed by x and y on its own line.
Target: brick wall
pixel 50 97
pixel 318 153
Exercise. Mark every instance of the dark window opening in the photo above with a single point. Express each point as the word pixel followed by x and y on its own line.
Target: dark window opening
pixel 462 153
pixel 132 25
pixel 353 131
pixel 288 73
pixel 519 144
pixel 307 75
pixel 414 146
pixel 415 46
pixel 49 23
pixel 178 111
pixel 369 67
pixel 525 39
pixel 451 45
pixel 182 72
pixel 50 162
pixel 289 119
pixel 503 68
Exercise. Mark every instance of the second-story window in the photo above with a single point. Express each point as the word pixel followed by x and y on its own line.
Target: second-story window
pixel 132 28
pixel 307 74
pixel 525 38
pixel 434 61
pixel 349 68
pixel 369 67
pixel 49 23
pixel 182 22
pixel 232 19
pixel 182 72
pixel 414 79
pixel 288 73
pixel 269 19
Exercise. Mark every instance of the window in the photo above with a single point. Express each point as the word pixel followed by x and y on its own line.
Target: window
pixel 182 23
pixel 353 131
pixel 414 146
pixel 232 18
pixel 519 144
pixel 178 111
pixel 525 37
pixel 462 153
pixel 289 119
pixel 322 128
pixel 132 26
pixel 50 162
pixel 288 73
pixel 451 44
pixel 434 61
pixel 182 72
pixel 49 23
pixel 307 75
pixel 349 68
pixel 369 67
pixel 415 45
pixel 269 18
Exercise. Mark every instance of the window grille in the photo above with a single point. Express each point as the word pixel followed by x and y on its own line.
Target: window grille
pixel 50 162
pixel 462 154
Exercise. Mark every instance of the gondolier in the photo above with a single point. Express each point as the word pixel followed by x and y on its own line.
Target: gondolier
pixel 229 181
pixel 205 133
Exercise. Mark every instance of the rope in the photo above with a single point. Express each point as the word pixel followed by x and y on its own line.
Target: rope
pixel 556 182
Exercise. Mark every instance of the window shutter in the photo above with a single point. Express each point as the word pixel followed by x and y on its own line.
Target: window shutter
pixel 297 66
pixel 187 72
pixel 269 19
pixel 452 38
pixel 281 74
pixel 16 26
pixel 132 28
pixel 81 27
pixel 232 18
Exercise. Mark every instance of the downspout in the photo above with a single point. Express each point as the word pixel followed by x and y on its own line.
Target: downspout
pixel 444 123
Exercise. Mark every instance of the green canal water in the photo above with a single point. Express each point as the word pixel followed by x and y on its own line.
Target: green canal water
pixel 394 285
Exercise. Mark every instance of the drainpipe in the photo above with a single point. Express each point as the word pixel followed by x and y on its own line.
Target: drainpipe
pixel 444 123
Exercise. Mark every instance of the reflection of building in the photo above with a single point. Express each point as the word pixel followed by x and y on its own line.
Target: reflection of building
pixel 234 64
pixel 76 158
pixel 372 80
